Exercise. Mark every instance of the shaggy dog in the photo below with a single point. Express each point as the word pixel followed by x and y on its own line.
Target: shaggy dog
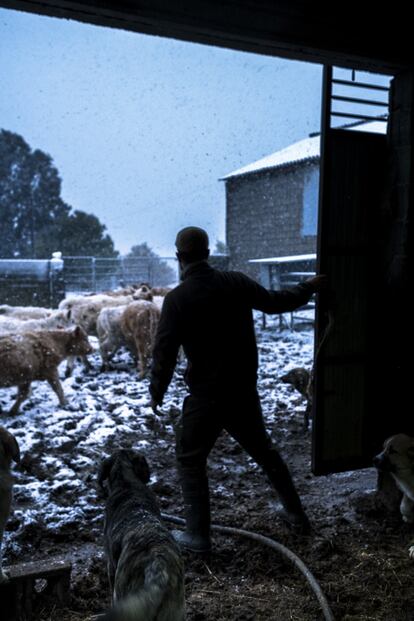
pixel 9 449
pixel 145 568
pixel 397 458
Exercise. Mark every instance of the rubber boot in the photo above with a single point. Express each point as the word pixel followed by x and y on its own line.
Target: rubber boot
pixel 196 537
pixel 293 513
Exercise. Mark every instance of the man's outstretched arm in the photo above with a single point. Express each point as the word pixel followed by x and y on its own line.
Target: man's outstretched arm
pixel 285 300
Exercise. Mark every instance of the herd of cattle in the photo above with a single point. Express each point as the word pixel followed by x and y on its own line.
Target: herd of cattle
pixel 34 341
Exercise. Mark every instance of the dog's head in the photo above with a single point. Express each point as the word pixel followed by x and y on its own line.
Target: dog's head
pixel 298 377
pixel 123 467
pixel 9 449
pixel 397 456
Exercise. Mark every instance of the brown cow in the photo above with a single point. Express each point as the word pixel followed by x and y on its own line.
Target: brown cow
pixel 25 312
pixel 138 325
pixel 33 356
pixel 111 338
pixel 56 319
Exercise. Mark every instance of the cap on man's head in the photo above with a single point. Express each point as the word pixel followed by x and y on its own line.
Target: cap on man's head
pixel 192 240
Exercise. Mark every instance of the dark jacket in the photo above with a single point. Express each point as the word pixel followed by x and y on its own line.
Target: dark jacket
pixel 210 315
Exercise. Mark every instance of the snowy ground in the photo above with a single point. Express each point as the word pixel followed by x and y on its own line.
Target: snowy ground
pixel 357 551
pixel 61 447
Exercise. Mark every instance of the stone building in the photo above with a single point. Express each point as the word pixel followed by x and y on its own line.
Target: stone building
pixel 272 204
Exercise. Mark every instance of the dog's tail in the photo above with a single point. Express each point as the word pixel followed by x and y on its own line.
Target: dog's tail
pixel 161 591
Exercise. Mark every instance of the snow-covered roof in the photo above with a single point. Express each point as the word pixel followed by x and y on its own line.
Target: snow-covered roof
pixel 292 258
pixel 304 150
pixel 297 152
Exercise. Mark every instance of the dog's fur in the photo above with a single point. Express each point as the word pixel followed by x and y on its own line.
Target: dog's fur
pixel 397 458
pixel 302 380
pixel 145 567
pixel 9 450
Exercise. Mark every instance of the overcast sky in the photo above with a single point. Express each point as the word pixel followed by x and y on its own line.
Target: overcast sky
pixel 141 128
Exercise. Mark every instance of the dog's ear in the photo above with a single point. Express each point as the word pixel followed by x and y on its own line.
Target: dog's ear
pixel 104 470
pixel 141 468
pixel 9 442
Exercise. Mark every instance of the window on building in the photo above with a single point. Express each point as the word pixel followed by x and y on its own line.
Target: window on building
pixel 310 202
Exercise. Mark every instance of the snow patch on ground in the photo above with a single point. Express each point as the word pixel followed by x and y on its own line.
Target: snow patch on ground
pixel 56 491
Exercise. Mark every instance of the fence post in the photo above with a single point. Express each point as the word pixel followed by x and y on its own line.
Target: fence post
pixel 150 270
pixel 93 266
pixel 56 279
pixel 123 277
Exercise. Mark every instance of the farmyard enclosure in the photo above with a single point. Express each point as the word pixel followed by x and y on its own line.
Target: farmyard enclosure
pixel 356 550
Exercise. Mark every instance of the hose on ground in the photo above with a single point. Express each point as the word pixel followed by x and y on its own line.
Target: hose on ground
pixel 278 547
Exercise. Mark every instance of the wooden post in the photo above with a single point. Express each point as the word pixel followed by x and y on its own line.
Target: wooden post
pixel 17 596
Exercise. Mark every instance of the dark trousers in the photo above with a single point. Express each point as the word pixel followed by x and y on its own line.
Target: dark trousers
pixel 202 421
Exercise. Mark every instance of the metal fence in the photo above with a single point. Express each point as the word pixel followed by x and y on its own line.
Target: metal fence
pixel 89 274
pixel 46 282
pixel 283 272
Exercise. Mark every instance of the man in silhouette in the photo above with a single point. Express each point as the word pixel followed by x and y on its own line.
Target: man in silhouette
pixel 210 315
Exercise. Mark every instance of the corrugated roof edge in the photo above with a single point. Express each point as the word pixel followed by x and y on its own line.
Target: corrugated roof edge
pixel 264 169
pixel 301 151
pixel 305 150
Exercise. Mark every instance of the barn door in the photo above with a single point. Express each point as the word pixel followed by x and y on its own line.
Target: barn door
pixel 348 356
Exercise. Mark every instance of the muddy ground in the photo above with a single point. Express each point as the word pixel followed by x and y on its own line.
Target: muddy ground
pixel 357 550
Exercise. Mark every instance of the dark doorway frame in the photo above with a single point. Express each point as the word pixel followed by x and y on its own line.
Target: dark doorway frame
pixel 316 32
pixel 287 28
